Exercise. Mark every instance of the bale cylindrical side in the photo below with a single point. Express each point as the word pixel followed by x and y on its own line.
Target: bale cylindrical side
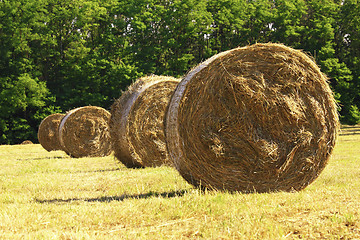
pixel 137 122
pixel 48 133
pixel 259 118
pixel 84 132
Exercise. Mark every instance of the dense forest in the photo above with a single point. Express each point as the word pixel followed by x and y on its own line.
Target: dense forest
pixel 56 55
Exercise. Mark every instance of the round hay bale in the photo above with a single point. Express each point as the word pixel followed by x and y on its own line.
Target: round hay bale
pixel 137 122
pixel 26 142
pixel 260 118
pixel 84 132
pixel 48 133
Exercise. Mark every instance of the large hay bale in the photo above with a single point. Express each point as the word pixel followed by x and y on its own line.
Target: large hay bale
pixel 48 133
pixel 253 119
pixel 84 132
pixel 137 122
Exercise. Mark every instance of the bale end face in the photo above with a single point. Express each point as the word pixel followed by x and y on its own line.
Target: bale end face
pixel 84 132
pixel 259 118
pixel 48 133
pixel 137 122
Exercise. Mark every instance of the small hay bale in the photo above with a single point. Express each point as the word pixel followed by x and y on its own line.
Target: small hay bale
pixel 260 118
pixel 48 133
pixel 84 132
pixel 26 142
pixel 137 122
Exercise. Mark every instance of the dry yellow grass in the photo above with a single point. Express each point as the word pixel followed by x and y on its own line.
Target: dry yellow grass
pixel 48 195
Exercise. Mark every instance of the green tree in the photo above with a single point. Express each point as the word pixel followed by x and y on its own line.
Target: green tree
pixel 166 37
pixel 21 108
pixel 85 58
pixel 289 22
pixel 348 42
pixel 229 18
pixel 23 97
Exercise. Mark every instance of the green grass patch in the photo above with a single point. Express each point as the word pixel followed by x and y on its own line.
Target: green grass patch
pixel 48 195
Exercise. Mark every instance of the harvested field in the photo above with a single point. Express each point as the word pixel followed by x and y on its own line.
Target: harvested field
pixel 48 195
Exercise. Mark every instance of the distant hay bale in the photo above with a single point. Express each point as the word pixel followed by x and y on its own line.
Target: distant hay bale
pixel 84 132
pixel 137 122
pixel 26 142
pixel 48 133
pixel 260 118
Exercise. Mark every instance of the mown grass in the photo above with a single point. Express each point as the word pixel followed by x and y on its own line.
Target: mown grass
pixel 47 195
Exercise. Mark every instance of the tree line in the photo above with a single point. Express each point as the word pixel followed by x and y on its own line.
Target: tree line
pixel 56 55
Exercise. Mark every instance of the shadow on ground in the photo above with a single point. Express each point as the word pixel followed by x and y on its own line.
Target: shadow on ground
pixel 42 158
pixel 170 194
pixel 100 170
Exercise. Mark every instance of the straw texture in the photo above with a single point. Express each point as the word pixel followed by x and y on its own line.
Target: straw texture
pixel 259 118
pixel 84 132
pixel 137 122
pixel 48 133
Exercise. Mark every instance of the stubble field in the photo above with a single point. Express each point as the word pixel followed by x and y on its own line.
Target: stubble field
pixel 48 195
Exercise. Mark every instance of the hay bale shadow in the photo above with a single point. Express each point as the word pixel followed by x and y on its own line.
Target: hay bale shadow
pixel 42 158
pixel 171 194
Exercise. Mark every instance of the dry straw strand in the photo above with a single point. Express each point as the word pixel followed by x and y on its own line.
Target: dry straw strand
pixel 257 118
pixel 84 132
pixel 48 134
pixel 137 122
